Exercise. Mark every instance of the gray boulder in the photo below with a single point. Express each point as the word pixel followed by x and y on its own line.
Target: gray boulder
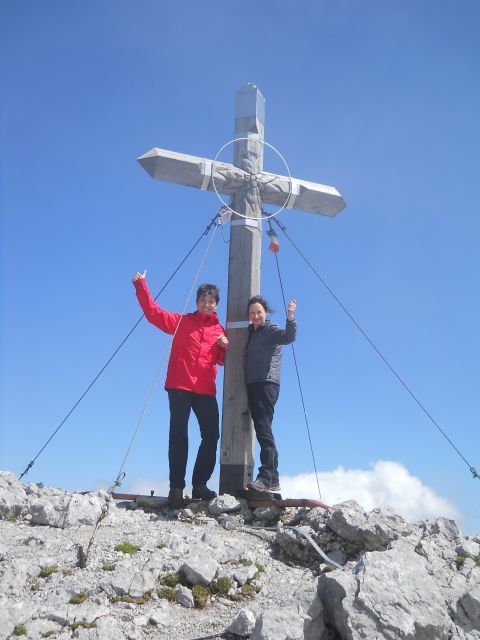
pixel 467 614
pixel 278 624
pixel 13 613
pixel 184 596
pixel 372 531
pixel 128 580
pixel 307 603
pixel 13 499
pixel 243 624
pixel 199 568
pixel 385 595
pixel 224 504
pixel 65 510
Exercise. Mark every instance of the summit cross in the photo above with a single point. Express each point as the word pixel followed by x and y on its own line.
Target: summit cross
pixel 247 186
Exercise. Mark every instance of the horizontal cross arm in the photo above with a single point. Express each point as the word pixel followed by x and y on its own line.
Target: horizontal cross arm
pixel 192 171
pixel 229 180
pixel 301 194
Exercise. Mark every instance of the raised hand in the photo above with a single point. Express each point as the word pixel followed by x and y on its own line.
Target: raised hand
pixel 292 305
pixel 139 276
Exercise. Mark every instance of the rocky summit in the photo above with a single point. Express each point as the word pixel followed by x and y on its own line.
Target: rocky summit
pixel 82 566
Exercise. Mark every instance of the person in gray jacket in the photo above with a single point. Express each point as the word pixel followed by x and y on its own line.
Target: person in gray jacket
pixel 263 364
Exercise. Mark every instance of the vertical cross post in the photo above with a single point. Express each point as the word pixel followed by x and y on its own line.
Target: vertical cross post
pixel 247 185
pixel 237 444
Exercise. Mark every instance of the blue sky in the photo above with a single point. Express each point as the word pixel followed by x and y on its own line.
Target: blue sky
pixel 379 99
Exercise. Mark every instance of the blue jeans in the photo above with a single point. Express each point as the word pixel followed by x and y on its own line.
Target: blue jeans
pixel 206 410
pixel 262 397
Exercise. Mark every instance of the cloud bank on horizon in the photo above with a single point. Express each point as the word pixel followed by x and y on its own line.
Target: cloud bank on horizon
pixel 387 483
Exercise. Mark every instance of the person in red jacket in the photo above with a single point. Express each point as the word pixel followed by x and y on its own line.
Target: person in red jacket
pixel 199 344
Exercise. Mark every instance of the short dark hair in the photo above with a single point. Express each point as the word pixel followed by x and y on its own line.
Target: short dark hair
pixel 208 290
pixel 260 300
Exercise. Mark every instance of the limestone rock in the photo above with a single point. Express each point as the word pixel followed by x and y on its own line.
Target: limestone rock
pixel 128 580
pixel 13 613
pixel 68 510
pixel 367 531
pixel 243 573
pixel 386 594
pixel 316 518
pixel 442 526
pixel 13 499
pixel 309 606
pixel 278 624
pixel 184 596
pixel 199 568
pixel 224 504
pixel 468 548
pixel 243 624
pixel 468 610
pixel 269 514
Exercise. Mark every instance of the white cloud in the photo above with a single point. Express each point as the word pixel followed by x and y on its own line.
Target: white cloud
pixel 144 485
pixel 386 483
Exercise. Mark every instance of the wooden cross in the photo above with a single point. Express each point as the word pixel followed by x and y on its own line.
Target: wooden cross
pixel 247 185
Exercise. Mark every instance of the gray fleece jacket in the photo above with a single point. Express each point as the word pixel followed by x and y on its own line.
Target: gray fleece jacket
pixel 263 360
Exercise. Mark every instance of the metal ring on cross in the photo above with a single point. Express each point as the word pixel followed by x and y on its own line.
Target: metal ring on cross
pixel 284 162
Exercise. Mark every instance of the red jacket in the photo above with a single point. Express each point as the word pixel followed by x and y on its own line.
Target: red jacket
pixel 195 353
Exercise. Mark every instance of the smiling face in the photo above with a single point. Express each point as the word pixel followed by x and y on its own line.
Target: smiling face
pixel 257 314
pixel 206 304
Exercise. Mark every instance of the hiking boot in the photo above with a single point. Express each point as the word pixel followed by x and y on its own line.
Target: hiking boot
pixel 202 492
pixel 275 487
pixel 175 497
pixel 259 485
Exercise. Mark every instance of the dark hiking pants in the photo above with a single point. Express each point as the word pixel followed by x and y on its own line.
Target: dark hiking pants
pixel 262 397
pixel 206 410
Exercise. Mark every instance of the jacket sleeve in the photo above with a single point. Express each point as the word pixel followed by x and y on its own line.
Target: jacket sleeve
pixel 164 320
pixel 221 352
pixel 284 336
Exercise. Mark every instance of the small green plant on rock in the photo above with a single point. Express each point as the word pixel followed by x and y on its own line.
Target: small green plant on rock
pixel 20 630
pixel 78 598
pixel 248 590
pixel 260 567
pixel 166 593
pixel 81 623
pixel 108 566
pixel 127 547
pixel 476 559
pixel 161 545
pixel 47 571
pixel 49 634
pixel 459 561
pixel 221 586
pixel 200 595
pixel 133 599
pixel 172 579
